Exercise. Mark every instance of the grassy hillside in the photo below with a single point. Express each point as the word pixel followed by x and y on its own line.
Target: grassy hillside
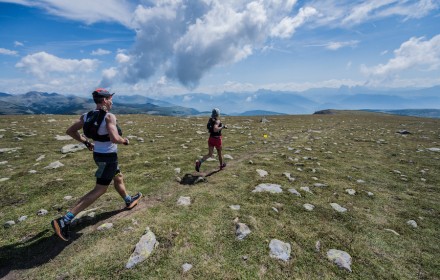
pixel 343 151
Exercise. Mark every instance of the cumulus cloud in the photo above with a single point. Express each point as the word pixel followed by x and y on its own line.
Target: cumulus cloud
pixel 185 39
pixel 417 53
pixel 100 52
pixel 18 44
pixel 7 52
pixel 41 63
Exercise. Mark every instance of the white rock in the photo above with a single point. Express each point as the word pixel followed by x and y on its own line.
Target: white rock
pixel 272 188
pixel 71 148
pixel 3 179
pixel 105 226
pixel 186 267
pixel 42 212
pixel 338 207
pixel 8 150
pixel 295 192
pixel 54 165
pixel 235 207
pixel 68 197
pixel 3 162
pixel 22 218
pixel 370 194
pixel 32 171
pixel 63 137
pixel 433 149
pixel 287 174
pixel 40 158
pixel 318 246
pixel 8 224
pixel 309 207
pixel 279 250
pixel 262 173
pixel 360 181
pixel 241 231
pixel 143 249
pixel 306 189
pixel 184 201
pixel 412 223
pixel 319 185
pixel 350 191
pixel 228 157
pixel 177 170
pixel 340 258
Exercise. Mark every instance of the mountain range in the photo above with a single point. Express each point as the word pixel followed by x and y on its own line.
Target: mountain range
pixel 261 102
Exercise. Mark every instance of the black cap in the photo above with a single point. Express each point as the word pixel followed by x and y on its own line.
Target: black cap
pixel 101 92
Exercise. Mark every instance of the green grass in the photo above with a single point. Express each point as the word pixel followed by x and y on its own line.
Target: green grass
pixel 336 149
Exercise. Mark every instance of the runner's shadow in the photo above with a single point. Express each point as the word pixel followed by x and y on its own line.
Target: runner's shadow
pixel 42 247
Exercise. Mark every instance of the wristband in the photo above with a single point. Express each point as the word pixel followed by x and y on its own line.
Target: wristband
pixel 87 143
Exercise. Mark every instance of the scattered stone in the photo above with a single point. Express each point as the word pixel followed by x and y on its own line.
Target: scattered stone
pixel 4 179
pixel 32 171
pixel 22 218
pixel 228 157
pixel 275 209
pixel 105 226
pixel 54 165
pixel 63 137
pixel 306 189
pixel 338 207
pixel 184 201
pixel 262 173
pixel 3 162
pixel 143 249
pixel 340 258
pixel 71 148
pixel 392 231
pixel 177 170
pixel 412 223
pixel 235 207
pixel 319 185
pixel 8 224
pixel 360 181
pixel 186 267
pixel 402 131
pixel 42 212
pixel 295 192
pixel 272 188
pixel 8 150
pixel 68 197
pixel 287 174
pixel 350 191
pixel 309 207
pixel 318 246
pixel 370 194
pixel 251 162
pixel 279 250
pixel 40 158
pixel 433 149
pixel 241 231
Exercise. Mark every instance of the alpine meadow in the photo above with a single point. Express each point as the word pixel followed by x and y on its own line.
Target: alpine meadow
pixel 343 195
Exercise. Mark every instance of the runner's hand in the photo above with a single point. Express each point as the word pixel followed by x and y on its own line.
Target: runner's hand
pixel 126 141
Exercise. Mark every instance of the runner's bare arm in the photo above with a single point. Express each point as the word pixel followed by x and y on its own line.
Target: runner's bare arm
pixel 73 131
pixel 110 120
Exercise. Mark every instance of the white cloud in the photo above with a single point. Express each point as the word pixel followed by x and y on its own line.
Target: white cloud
pixel 122 58
pixel 288 25
pixel 337 45
pixel 7 52
pixel 18 44
pixel 100 52
pixel 416 53
pixel 40 64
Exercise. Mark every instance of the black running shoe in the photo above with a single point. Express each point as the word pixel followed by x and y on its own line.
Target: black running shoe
pixel 223 165
pixel 198 163
pixel 134 201
pixel 61 228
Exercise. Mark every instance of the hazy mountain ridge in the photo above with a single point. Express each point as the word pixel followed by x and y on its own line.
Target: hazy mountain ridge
pixel 261 102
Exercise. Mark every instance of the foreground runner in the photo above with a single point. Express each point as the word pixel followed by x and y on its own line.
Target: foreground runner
pixel 105 149
pixel 215 139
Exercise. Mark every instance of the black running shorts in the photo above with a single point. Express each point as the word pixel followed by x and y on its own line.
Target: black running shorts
pixel 108 167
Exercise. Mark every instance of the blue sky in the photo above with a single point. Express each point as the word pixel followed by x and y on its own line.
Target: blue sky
pixel 171 47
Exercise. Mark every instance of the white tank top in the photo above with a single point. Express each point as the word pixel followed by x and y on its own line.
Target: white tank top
pixel 103 147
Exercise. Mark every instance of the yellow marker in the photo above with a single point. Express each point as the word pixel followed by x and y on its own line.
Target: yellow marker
pixel 265 135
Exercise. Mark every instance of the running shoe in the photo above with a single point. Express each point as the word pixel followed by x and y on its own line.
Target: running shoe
pixel 61 228
pixel 198 164
pixel 223 165
pixel 134 201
